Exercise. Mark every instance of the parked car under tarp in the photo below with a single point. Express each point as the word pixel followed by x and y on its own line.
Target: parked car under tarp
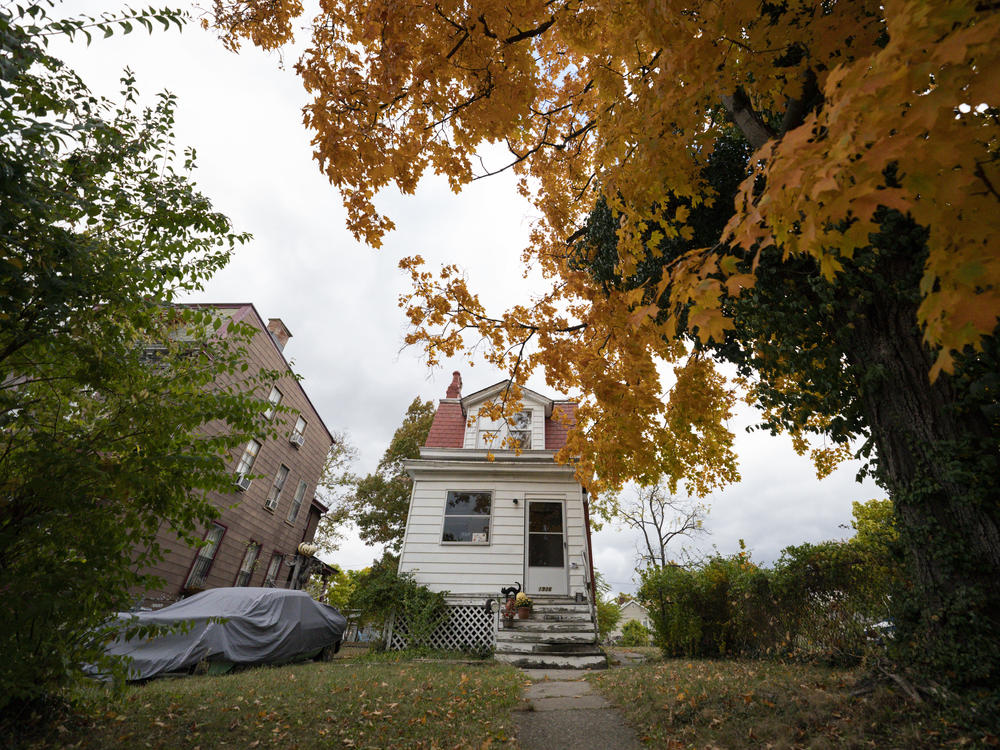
pixel 231 626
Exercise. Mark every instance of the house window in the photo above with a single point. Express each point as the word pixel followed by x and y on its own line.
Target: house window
pixel 279 483
pixel 300 493
pixel 248 564
pixel 299 431
pixel 271 577
pixel 492 434
pixel 272 403
pixel 467 517
pixel 248 457
pixel 520 429
pixel 205 557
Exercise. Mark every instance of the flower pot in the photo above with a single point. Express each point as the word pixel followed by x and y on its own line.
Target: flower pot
pixel 523 613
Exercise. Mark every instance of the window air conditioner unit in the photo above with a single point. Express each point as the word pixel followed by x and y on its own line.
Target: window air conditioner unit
pixel 243 482
pixel 297 440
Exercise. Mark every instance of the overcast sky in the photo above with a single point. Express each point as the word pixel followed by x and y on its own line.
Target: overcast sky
pixel 339 298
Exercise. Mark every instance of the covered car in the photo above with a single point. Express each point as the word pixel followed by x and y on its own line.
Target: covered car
pixel 237 626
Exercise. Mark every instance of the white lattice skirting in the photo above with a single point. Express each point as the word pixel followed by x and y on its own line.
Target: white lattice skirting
pixel 468 628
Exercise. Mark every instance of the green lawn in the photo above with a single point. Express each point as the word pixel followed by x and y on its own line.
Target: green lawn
pixel 346 703
pixel 696 703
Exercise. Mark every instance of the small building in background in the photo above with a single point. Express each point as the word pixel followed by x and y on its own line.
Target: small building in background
pixel 267 520
pixel 631 611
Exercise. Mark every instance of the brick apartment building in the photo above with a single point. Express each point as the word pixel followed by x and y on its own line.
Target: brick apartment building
pixel 255 540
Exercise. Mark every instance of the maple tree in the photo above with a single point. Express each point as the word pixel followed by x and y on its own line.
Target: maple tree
pixel 872 168
pixel 379 502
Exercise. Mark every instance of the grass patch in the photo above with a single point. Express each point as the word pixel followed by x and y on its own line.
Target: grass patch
pixel 342 704
pixel 682 703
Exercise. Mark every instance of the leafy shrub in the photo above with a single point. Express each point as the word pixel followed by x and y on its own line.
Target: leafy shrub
pixel 634 633
pixel 819 600
pixel 381 591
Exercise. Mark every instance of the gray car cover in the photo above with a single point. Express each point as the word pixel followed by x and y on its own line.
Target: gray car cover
pixel 262 626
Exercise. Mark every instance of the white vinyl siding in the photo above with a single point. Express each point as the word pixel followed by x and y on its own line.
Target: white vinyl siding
pixel 478 568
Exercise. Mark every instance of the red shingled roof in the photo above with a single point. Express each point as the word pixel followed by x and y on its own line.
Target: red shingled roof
pixel 555 430
pixel 448 428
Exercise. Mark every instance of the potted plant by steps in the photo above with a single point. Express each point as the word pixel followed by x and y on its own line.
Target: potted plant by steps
pixel 524 605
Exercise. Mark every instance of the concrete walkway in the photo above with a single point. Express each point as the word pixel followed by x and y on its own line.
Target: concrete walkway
pixel 562 710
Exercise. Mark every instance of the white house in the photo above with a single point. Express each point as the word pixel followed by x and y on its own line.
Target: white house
pixel 484 516
pixel 631 610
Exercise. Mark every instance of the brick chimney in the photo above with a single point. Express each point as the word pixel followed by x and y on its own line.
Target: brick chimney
pixel 279 333
pixel 455 389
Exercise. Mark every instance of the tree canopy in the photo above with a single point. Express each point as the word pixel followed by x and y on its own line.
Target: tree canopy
pixel 851 268
pixel 378 503
pixel 626 102
pixel 105 384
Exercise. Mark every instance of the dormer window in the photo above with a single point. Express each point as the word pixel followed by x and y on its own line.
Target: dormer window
pixel 493 433
pixel 272 403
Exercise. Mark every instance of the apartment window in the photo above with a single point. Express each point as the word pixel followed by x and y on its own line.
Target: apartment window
pixel 467 517
pixel 272 403
pixel 279 483
pixel 248 457
pixel 248 564
pixel 299 433
pixel 273 567
pixel 300 493
pixel 205 557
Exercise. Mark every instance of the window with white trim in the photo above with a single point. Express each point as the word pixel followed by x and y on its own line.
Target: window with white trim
pixel 273 567
pixel 248 564
pixel 279 484
pixel 467 517
pixel 272 403
pixel 205 557
pixel 300 493
pixel 249 456
pixel 300 428
pixel 494 432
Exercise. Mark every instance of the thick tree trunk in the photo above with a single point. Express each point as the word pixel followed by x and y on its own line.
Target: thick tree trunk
pixel 937 458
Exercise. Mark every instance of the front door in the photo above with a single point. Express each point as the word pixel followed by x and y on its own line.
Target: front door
pixel 546 563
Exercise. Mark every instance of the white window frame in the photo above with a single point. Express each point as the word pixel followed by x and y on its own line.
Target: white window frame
pixel 300 494
pixel 274 495
pixel 248 564
pixel 445 516
pixel 273 401
pixel 246 462
pixel 300 427
pixel 491 434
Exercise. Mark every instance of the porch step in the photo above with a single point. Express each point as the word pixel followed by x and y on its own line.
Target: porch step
pixel 553 661
pixel 513 636
pixel 541 626
pixel 559 634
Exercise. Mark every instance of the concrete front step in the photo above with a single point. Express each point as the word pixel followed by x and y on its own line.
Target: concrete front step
pixel 510 636
pixel 546 647
pixel 546 625
pixel 557 616
pixel 554 661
